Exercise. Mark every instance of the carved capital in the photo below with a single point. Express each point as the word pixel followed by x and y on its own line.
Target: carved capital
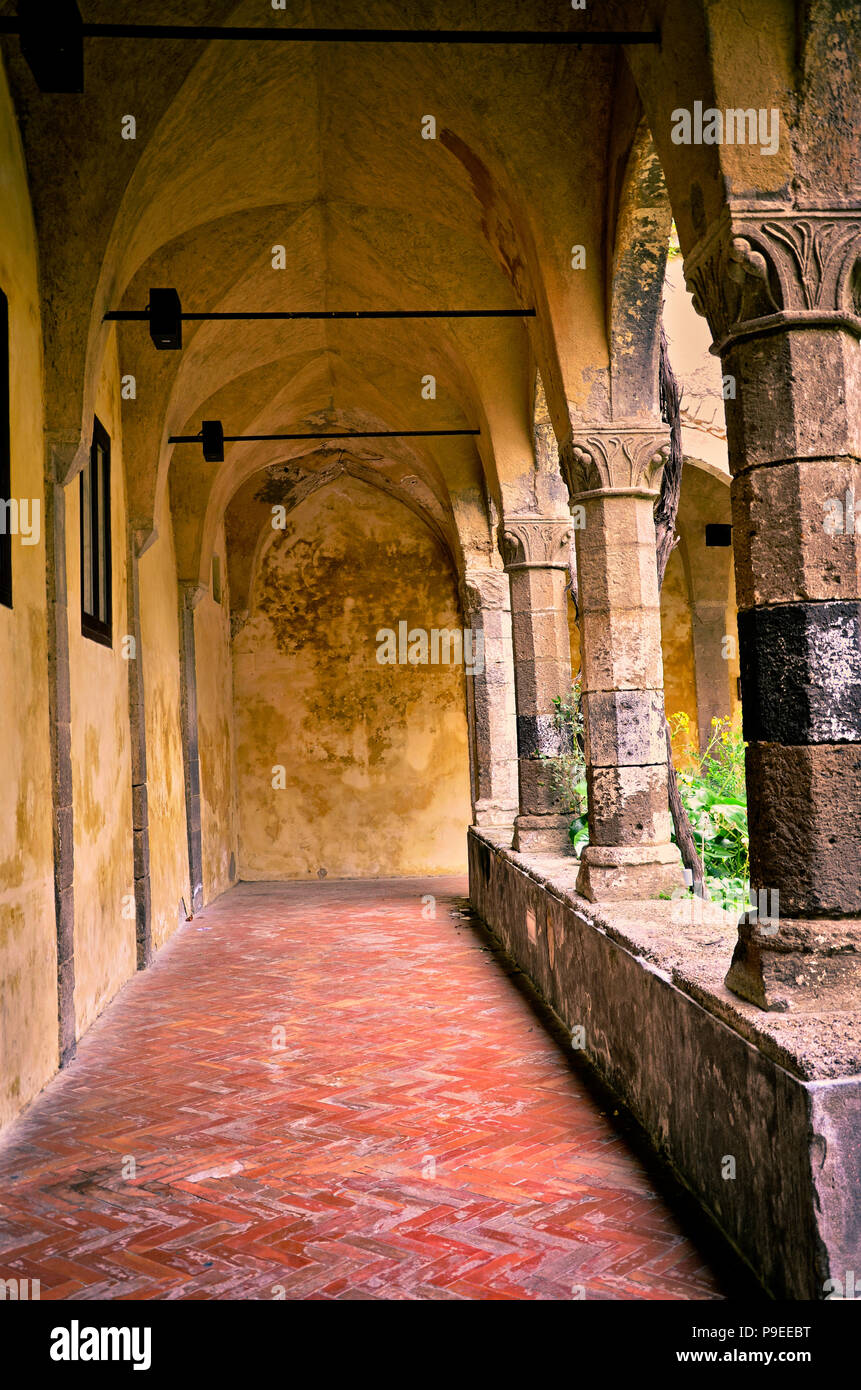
pixel 763 269
pixel 483 591
pixel 535 542
pixel 191 593
pixel 617 457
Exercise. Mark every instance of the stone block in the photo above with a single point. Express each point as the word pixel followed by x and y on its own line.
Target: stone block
pixel 624 727
pixel 542 834
pixel 628 805
pixel 541 636
pixel 537 590
pixel 539 682
pixel 536 791
pixel 808 966
pixel 796 533
pixel 804 808
pixel 798 395
pixel 801 673
pixel 621 650
pixel 621 871
pixel 625 576
pixel 541 736
pixel 613 521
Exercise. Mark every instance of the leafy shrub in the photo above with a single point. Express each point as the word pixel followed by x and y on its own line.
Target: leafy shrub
pixel 713 794
pixel 568 770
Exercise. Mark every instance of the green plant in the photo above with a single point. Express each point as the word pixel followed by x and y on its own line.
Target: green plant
pixel 713 793
pixel 568 770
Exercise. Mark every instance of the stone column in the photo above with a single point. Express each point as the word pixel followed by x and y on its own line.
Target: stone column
pixel 62 449
pixel 613 473
pixel 189 597
pixel 781 291
pixel 486 599
pixel 137 728
pixel 536 552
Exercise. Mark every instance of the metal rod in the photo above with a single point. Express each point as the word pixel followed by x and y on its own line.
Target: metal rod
pixel 130 315
pixel 347 434
pixel 208 34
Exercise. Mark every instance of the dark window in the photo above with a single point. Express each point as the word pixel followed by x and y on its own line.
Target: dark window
pixel 5 463
pixel 216 578
pixel 96 539
pixel 718 533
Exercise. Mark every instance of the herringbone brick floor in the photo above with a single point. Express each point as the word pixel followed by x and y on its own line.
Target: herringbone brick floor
pixel 316 1091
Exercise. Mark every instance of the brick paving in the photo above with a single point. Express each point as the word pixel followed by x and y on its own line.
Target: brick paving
pixel 326 1094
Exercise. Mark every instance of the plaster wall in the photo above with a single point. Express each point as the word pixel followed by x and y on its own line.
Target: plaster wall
pixel 101 751
pixel 28 942
pixel 159 601
pixel 680 689
pixel 376 756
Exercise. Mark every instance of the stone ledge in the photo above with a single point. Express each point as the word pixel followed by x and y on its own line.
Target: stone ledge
pixel 815 1046
pixel 706 1075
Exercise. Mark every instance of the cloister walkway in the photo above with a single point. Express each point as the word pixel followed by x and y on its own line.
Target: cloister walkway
pixel 333 1090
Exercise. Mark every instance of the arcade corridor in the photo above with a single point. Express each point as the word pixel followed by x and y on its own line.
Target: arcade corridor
pixel 414 1131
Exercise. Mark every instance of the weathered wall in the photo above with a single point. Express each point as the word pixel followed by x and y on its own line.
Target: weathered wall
pixel 215 728
pixel 375 755
pixel 165 789
pixel 680 688
pixel 101 753
pixel 28 943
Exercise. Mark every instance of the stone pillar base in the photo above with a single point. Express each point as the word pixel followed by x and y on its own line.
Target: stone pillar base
pixel 488 812
pixel 629 871
pixel 542 835
pixel 808 965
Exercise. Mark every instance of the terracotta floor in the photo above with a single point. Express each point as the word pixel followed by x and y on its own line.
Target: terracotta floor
pixel 327 1094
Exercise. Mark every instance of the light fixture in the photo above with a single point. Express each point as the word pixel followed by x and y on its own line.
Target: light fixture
pixel 165 320
pixel 52 41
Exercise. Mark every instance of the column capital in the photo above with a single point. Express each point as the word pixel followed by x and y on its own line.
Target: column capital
pixel 761 269
pixel 621 456
pixel 191 592
pixel 536 542
pixel 484 590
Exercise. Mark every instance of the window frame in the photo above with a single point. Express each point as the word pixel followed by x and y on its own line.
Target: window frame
pixel 98 552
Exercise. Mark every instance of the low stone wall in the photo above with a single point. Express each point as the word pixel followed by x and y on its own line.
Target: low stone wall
pixel 759 1114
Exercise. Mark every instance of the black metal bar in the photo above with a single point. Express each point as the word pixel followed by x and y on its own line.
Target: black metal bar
pixel 208 34
pixel 347 434
pixel 128 315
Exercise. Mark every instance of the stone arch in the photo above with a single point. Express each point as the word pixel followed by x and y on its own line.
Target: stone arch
pixel 636 281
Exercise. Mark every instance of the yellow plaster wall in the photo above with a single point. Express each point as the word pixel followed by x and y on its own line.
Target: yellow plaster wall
pixel 28 942
pixel 101 752
pixel 375 755
pixel 680 687
pixel 215 729
pixel 168 842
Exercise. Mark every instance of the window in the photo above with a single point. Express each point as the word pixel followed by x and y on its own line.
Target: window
pixel 96 539
pixel 216 578
pixel 718 533
pixel 5 460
